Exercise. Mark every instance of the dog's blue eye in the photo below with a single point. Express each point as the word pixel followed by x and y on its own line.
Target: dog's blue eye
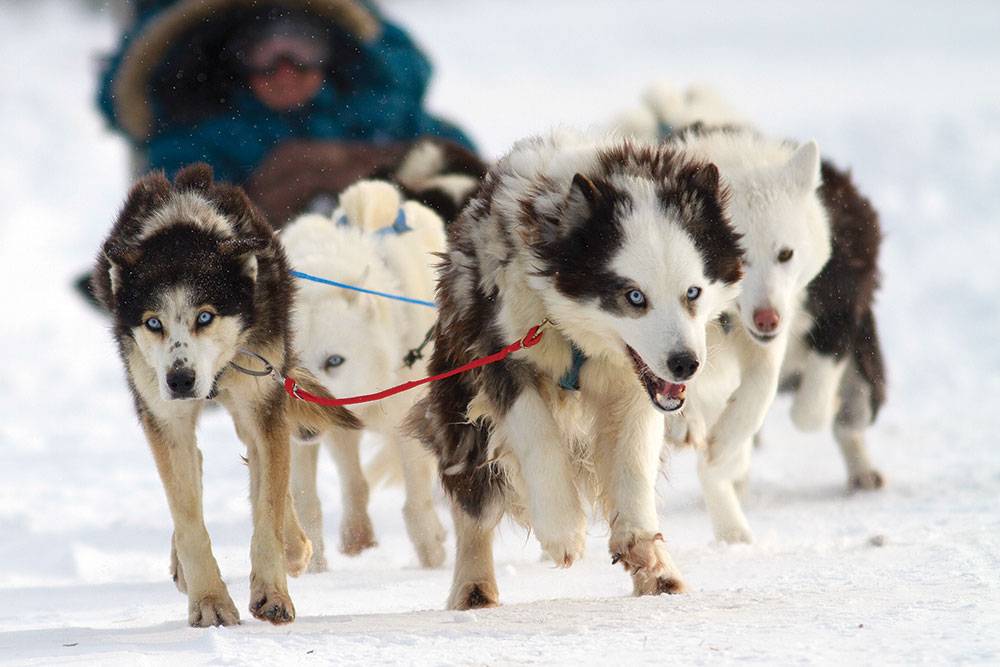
pixel 334 361
pixel 693 293
pixel 785 254
pixel 153 324
pixel 205 317
pixel 636 297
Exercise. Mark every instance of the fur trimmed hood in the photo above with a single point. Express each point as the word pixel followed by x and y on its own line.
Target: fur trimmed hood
pixel 148 57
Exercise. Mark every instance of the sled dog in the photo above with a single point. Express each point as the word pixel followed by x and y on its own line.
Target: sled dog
pixel 193 276
pixel 622 251
pixel 357 343
pixel 775 205
pixel 835 367
pixel 834 362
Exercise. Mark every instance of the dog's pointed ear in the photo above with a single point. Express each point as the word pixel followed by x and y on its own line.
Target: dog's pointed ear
pixel 803 167
pixel 248 249
pixel 584 198
pixel 146 195
pixel 198 176
pixel 121 257
pixel 706 179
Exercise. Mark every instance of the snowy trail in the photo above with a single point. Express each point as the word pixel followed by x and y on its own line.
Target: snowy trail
pixel 903 93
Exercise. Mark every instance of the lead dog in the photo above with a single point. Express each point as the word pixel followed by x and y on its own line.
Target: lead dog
pixel 357 343
pixel 192 275
pixel 624 249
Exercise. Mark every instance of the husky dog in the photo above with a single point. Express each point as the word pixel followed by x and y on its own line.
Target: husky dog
pixel 838 358
pixel 192 276
pixel 622 249
pixel 834 358
pixel 775 205
pixel 356 343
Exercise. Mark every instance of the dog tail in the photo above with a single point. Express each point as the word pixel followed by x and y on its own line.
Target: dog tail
pixel 307 419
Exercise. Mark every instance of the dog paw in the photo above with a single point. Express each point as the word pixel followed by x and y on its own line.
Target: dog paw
pixel 267 603
pixel 474 595
pixel 645 556
pixel 566 545
pixel 356 535
pixel 298 555
pixel 426 533
pixel 644 583
pixel 734 535
pixel 214 609
pixel 868 480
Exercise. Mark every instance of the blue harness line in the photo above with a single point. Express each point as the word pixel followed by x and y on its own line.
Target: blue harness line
pixel 398 226
pixel 306 276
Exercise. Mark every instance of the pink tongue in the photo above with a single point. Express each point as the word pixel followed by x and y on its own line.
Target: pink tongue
pixel 673 390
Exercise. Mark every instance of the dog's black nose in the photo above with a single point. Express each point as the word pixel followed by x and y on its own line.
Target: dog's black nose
pixel 682 365
pixel 181 382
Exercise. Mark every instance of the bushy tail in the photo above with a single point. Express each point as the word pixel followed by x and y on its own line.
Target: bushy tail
pixel 308 420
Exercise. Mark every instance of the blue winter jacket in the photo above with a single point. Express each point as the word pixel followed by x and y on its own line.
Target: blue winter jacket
pixel 191 104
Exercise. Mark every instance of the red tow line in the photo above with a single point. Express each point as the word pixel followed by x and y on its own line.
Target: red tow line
pixel 531 338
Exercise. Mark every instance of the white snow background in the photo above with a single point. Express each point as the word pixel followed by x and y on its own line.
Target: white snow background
pixel 906 93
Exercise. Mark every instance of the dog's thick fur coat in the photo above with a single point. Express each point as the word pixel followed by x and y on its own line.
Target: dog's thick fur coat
pixel 355 343
pixel 623 250
pixel 192 274
pixel 834 362
pixel 775 205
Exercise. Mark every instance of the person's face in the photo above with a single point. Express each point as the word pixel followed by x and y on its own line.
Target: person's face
pixel 286 85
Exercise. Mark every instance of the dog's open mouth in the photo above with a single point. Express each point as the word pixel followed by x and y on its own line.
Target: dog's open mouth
pixel 665 396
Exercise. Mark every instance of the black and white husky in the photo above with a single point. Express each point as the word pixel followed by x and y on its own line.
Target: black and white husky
pixel 193 276
pixel 623 249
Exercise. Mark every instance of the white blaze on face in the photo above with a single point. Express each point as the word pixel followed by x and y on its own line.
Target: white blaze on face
pixel 664 264
pixel 786 238
pixel 187 344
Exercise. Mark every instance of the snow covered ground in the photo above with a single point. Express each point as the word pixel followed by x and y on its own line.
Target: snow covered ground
pixel 904 92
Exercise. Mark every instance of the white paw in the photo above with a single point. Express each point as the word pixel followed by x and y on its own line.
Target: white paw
pixel 565 542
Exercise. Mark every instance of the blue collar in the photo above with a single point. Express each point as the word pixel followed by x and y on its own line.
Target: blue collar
pixel 571 378
pixel 398 226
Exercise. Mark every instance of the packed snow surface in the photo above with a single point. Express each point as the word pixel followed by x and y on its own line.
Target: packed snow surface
pixel 904 93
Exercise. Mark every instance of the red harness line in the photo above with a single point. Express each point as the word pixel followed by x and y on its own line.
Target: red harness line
pixel 531 338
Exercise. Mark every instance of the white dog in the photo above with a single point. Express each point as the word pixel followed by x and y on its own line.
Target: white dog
pixel 774 203
pixel 356 343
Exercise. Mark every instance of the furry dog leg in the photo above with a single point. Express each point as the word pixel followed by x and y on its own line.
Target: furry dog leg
pixel 554 505
pixel 474 582
pixel 268 458
pixel 178 461
pixel 720 472
pixel 816 398
pixel 422 523
pixel 356 532
pixel 627 470
pixel 306 501
pixel 854 416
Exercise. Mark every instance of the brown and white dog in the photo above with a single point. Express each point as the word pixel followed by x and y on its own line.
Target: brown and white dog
pixel 192 276
pixel 625 249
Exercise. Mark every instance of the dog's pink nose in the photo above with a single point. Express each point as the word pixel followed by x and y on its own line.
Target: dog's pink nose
pixel 766 319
